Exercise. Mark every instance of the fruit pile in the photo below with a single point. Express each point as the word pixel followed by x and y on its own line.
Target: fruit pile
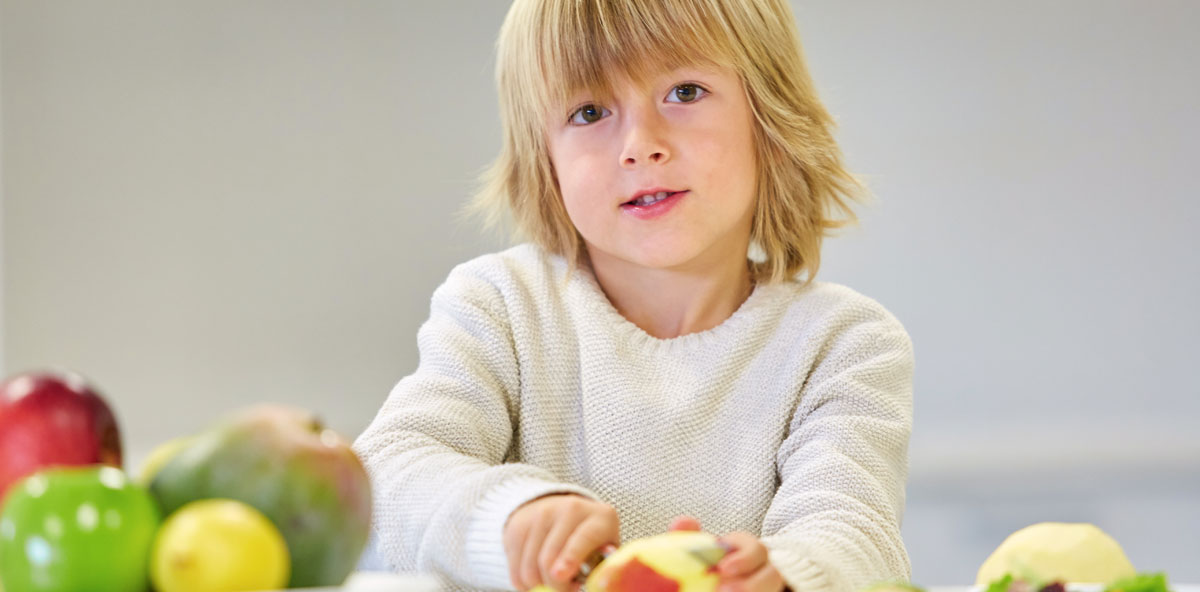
pixel 266 499
pixel 1056 557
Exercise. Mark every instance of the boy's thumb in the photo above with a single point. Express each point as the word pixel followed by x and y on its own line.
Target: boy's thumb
pixel 684 523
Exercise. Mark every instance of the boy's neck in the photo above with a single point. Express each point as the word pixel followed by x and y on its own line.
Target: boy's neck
pixel 670 303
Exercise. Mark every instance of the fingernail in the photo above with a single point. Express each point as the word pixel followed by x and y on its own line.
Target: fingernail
pixel 724 545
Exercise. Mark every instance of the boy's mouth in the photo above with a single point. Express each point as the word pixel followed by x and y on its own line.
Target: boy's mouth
pixel 648 198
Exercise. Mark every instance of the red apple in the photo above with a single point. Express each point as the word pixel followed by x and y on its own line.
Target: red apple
pixel 53 418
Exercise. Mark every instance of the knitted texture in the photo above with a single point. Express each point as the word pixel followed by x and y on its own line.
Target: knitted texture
pixel 790 421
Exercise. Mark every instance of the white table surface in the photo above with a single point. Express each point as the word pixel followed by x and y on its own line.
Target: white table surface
pixel 368 581
pixel 389 582
pixel 1070 587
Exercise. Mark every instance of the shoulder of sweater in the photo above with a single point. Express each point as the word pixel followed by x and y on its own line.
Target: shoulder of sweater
pixel 497 277
pixel 523 263
pixel 838 306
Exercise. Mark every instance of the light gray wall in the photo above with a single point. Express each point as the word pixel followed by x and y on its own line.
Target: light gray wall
pixel 3 332
pixel 208 204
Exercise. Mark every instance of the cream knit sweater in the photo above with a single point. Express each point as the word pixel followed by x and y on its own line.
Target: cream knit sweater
pixel 790 420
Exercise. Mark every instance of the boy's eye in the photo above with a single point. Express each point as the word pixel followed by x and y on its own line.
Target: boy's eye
pixel 687 93
pixel 588 114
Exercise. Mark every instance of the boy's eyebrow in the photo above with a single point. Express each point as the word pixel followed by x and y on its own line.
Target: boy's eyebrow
pixel 665 76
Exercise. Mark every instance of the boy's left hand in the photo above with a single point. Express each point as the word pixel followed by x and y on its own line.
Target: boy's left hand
pixel 745 568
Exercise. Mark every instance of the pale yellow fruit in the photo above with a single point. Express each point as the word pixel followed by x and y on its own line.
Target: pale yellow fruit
pixel 668 555
pixel 158 458
pixel 218 545
pixel 1068 552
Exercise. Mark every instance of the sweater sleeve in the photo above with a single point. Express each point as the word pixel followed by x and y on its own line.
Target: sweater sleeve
pixel 435 451
pixel 834 523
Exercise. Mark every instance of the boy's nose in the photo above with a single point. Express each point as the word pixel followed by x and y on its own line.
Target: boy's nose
pixel 644 144
pixel 654 157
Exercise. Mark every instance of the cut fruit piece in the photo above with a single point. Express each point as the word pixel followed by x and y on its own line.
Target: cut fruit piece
pixel 1068 552
pixel 639 577
pixel 660 563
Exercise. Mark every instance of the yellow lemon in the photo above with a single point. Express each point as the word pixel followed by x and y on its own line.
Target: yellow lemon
pixel 218 545
pixel 1070 552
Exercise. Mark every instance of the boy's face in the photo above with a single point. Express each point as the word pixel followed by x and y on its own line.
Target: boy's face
pixel 689 131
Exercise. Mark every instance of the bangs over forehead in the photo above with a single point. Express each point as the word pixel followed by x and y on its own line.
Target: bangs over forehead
pixel 590 45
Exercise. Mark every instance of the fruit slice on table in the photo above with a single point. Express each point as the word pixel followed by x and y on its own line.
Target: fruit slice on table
pixel 218 545
pixel 660 563
pixel 76 528
pixel 1068 552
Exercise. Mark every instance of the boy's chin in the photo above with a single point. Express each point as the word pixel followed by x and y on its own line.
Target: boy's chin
pixel 633 257
pixel 686 254
pixel 660 259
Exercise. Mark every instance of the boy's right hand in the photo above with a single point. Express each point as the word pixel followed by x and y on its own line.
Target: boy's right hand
pixel 548 538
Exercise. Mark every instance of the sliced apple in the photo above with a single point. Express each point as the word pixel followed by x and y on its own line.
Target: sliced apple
pixel 660 563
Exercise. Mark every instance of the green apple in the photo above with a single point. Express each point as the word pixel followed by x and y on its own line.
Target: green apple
pixel 76 528
pixel 284 463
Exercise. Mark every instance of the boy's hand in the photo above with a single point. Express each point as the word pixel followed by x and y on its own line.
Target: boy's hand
pixel 547 539
pixel 745 568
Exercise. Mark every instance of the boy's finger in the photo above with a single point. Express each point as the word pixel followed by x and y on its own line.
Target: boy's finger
pixel 530 574
pixel 514 543
pixel 766 578
pixel 684 523
pixel 588 537
pixel 553 574
pixel 747 555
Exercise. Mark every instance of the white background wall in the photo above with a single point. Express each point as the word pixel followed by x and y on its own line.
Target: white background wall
pixel 208 204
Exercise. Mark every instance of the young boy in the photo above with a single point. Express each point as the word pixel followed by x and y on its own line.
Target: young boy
pixel 632 368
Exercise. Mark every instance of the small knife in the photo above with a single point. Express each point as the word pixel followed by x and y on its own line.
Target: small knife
pixel 592 561
pixel 711 555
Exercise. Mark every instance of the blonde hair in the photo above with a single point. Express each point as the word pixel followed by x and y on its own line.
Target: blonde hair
pixel 550 49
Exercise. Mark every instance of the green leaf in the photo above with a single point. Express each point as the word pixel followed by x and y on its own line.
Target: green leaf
pixel 1143 582
pixel 1000 585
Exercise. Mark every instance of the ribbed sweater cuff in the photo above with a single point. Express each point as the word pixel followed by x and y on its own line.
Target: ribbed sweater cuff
pixel 485 532
pixel 799 572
